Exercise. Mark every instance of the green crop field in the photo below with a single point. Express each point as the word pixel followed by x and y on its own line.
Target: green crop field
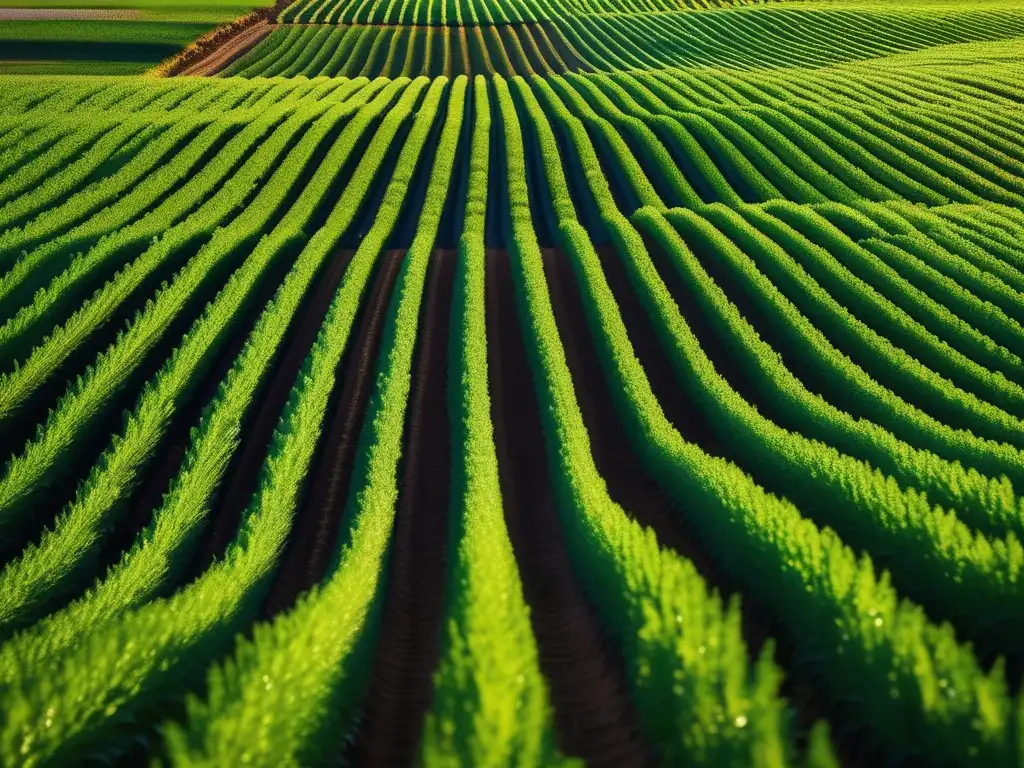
pixel 515 382
pixel 122 37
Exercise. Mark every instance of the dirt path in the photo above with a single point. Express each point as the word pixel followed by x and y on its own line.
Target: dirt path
pixel 222 45
pixel 235 48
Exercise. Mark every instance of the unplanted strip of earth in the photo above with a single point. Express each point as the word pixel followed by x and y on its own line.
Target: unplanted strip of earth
pixel 232 49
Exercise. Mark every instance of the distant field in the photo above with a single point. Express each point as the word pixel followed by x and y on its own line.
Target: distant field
pixel 178 10
pixel 92 46
pixel 107 46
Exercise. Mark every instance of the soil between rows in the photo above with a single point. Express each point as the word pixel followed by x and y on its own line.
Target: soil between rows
pixel 314 537
pixel 407 650
pixel 158 474
pixel 258 428
pixel 594 715
pixel 628 483
pixel 853 739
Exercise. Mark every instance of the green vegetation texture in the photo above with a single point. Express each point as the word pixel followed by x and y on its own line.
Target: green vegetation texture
pixel 515 382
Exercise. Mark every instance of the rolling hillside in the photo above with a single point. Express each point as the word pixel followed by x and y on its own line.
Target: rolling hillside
pixel 520 382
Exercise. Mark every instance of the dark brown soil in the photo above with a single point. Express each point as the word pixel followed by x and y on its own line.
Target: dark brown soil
pixel 408 646
pixel 314 538
pixel 243 472
pixel 76 459
pixel 691 423
pixel 594 714
pixel 160 471
pixel 628 483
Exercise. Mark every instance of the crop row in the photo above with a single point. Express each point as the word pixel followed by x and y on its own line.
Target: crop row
pixel 252 336
pixel 350 50
pixel 765 36
pixel 438 13
pixel 723 137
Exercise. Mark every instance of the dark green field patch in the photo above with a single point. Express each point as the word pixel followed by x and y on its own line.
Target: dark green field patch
pixel 73 67
pixel 85 45
pixel 217 11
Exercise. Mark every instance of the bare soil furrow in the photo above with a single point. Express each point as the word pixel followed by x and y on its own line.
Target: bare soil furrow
pixel 594 714
pixel 314 538
pixel 243 472
pixel 407 647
